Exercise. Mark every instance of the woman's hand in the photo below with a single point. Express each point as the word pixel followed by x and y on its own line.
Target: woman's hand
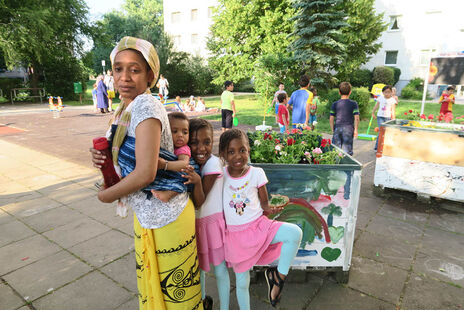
pixel 97 158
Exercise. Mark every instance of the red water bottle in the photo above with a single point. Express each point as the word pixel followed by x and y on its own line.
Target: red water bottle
pixel 109 174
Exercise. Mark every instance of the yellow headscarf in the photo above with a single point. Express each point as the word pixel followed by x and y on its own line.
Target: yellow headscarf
pixel 146 48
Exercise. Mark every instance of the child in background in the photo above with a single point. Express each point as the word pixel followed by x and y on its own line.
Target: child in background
pixel 200 107
pixel 179 124
pixel 251 238
pixel 387 108
pixel 447 100
pixel 178 104
pixel 344 119
pixel 210 225
pixel 94 97
pixel 280 91
pixel 282 112
pixel 313 108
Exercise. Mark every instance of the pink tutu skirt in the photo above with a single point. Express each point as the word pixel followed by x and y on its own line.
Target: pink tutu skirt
pixel 250 244
pixel 210 232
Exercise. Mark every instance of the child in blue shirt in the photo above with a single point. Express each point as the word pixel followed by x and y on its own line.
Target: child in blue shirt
pixel 344 119
pixel 300 102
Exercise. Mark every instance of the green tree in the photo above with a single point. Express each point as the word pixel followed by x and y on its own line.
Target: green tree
pixel 361 34
pixel 139 18
pixel 243 31
pixel 47 37
pixel 317 40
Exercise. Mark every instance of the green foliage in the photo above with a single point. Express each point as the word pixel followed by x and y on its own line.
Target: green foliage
pixel 7 84
pixel 383 75
pixel 364 29
pixel 139 18
pixel 188 75
pixel 359 94
pixel 243 31
pixel 397 74
pixel 414 90
pixel 317 43
pixel 360 78
pixel 46 36
pixel 362 96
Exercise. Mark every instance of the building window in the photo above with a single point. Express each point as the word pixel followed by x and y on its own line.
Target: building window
pixel 194 39
pixel 175 17
pixel 425 56
pixel 210 11
pixel 394 23
pixel 391 57
pixel 194 15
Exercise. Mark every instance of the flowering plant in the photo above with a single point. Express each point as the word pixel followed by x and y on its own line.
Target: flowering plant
pixel 443 118
pixel 296 147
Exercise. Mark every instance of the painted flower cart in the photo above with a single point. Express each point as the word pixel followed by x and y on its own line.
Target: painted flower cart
pixel 422 157
pixel 323 195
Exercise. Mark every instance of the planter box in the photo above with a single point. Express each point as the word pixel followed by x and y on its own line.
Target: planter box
pixel 426 161
pixel 327 243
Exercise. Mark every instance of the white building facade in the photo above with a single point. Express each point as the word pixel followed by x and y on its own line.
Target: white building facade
pixel 188 22
pixel 417 30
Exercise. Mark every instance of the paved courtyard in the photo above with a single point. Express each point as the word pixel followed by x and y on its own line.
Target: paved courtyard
pixel 60 248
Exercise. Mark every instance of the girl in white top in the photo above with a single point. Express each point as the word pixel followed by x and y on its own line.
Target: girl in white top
pixel 210 225
pixel 251 238
pixel 387 108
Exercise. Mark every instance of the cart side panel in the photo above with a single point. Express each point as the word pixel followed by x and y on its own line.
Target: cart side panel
pixel 324 204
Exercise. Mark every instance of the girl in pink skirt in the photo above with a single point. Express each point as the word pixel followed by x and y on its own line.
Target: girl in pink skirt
pixel 250 237
pixel 210 225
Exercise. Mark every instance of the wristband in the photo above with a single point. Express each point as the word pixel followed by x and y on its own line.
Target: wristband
pixel 166 166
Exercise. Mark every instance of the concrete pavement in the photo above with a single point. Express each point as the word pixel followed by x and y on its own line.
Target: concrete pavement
pixel 62 249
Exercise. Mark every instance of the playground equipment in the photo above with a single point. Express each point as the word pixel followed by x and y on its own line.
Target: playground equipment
pixel 51 104
pixel 55 108
pixel 377 89
pixel 367 136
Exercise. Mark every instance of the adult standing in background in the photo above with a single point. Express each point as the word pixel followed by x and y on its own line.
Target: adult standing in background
pixel 276 102
pixel 163 85
pixel 102 95
pixel 109 82
pixel 227 106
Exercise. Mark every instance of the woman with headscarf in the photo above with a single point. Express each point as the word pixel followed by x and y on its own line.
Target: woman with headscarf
pixel 102 95
pixel 164 233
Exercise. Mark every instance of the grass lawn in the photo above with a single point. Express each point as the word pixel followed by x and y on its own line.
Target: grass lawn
pixel 250 112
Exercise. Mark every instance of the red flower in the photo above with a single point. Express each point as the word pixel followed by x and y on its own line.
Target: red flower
pixel 290 141
pixel 316 161
pixel 448 117
pixel 423 116
pixel 266 135
pixel 294 130
pixel 277 141
pixel 270 137
pixel 410 111
pixel 330 141
pixel 405 113
pixel 325 142
pixel 431 116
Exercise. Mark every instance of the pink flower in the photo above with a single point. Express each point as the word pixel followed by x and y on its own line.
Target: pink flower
pixel 317 151
pixel 422 116
pixel 431 116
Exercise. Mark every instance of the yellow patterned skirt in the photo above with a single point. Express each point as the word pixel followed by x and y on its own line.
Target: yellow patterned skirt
pixel 168 274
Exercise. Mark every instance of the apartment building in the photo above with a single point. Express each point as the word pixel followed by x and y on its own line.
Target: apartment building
pixel 188 22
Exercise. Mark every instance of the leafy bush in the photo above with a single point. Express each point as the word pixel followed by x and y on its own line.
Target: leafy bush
pixel 362 96
pixel 414 90
pixel 383 75
pixel 359 94
pixel 361 78
pixel 245 86
pixel 396 75
pixel 188 75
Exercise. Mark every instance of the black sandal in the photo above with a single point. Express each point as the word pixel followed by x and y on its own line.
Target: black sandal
pixel 273 279
pixel 208 303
